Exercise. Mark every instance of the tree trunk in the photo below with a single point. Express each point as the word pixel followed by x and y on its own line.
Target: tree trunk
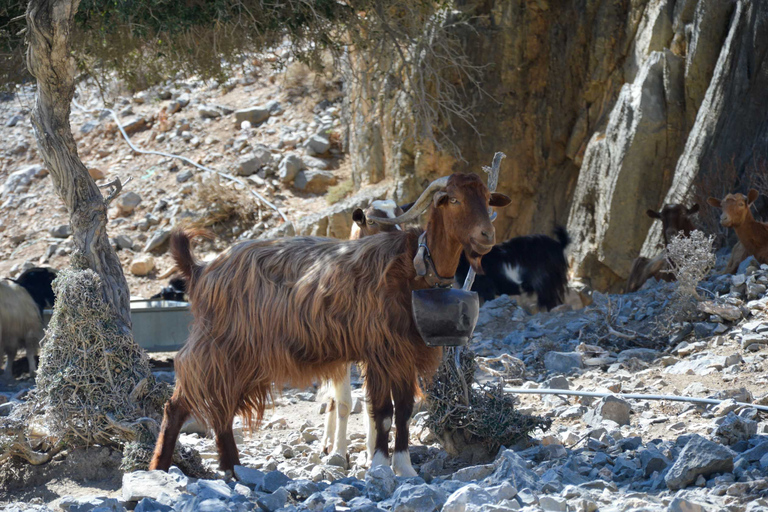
pixel 50 24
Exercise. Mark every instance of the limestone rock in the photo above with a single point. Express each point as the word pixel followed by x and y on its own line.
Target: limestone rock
pixel 380 483
pixel 609 408
pixel 150 484
pixel 142 265
pixel 314 181
pixel 253 115
pixel 699 457
pixel 289 166
pixel 418 498
pixel 563 362
pixel 127 203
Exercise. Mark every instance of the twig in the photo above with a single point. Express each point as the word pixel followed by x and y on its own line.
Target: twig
pixel 183 159
pixel 618 334
pixel 118 187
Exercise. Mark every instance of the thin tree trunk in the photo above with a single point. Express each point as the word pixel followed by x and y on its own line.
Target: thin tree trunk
pixel 50 24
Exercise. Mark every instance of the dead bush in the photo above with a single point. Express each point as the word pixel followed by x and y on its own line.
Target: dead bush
pixel 690 259
pixel 221 207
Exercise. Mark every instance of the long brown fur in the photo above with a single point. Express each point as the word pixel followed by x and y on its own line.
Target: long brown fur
pixel 289 311
pixel 243 336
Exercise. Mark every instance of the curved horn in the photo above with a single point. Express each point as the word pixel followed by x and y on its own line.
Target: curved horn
pixel 421 204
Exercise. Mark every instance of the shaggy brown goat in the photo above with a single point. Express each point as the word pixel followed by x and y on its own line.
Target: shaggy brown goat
pixel 675 218
pixel 752 234
pixel 20 326
pixel 287 311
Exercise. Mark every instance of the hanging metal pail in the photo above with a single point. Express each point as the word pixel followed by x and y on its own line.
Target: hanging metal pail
pixel 445 316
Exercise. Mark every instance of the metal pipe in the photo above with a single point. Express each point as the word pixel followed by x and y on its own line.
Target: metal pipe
pixel 630 396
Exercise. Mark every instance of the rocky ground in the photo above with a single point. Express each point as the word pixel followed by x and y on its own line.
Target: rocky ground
pixel 279 131
pixel 610 453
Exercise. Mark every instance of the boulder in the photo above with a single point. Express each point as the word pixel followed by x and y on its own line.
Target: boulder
pixel 61 231
pixel 127 203
pixel 317 145
pixel 289 166
pixel 418 498
pixel 609 408
pixel 380 483
pixel 467 498
pixel 150 484
pixel 699 457
pixel 253 115
pixel 314 181
pixel 142 265
pixel 563 362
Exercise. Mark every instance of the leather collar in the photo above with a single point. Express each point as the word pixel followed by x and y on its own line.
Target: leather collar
pixel 425 267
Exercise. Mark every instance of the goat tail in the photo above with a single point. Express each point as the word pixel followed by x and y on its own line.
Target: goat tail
pixel 562 236
pixel 181 251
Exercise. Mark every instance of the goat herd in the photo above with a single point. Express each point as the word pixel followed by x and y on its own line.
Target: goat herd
pixel 271 313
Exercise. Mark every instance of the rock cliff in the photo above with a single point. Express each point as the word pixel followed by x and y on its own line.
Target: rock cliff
pixel 604 109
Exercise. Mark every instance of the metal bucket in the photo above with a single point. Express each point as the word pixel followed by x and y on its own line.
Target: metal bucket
pixel 445 316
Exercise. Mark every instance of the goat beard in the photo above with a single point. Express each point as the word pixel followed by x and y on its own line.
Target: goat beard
pixel 475 261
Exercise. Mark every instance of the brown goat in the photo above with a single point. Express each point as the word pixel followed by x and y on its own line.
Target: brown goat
pixel 752 234
pixel 675 219
pixel 287 311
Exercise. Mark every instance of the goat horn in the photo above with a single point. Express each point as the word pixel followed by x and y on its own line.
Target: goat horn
pixel 421 204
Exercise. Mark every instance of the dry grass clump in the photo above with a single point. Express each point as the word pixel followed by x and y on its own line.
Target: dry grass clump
pixel 94 384
pixel 339 191
pixel 467 418
pixel 222 206
pixel 94 381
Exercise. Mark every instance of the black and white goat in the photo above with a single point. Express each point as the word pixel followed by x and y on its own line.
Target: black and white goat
pixel 176 290
pixel 38 281
pixel 525 264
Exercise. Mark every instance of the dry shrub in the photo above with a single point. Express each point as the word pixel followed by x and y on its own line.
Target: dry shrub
pixel 339 191
pixel 94 384
pixel 690 259
pixel 94 381
pixel 470 420
pixel 221 206
pixel 298 79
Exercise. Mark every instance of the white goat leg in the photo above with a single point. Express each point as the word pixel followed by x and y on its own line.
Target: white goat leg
pixel 343 395
pixel 401 464
pixel 370 428
pixel 326 443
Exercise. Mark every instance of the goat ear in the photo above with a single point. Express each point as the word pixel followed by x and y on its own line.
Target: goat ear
pixel 440 198
pixel 499 200
pixel 407 206
pixel 653 214
pixel 713 201
pixel 752 196
pixel 693 209
pixel 359 217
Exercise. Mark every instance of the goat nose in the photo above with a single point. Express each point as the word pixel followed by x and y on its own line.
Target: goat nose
pixel 488 235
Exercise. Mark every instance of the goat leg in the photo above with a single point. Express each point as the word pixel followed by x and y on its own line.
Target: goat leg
pixel 401 459
pixel 175 414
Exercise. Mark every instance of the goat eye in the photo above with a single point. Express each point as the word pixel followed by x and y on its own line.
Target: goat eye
pixel 454 200
pixel 370 222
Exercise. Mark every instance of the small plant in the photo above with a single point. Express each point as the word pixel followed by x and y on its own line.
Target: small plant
pixel 690 260
pixel 338 192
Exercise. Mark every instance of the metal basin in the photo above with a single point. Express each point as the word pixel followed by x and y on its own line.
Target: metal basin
pixel 445 316
pixel 158 325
